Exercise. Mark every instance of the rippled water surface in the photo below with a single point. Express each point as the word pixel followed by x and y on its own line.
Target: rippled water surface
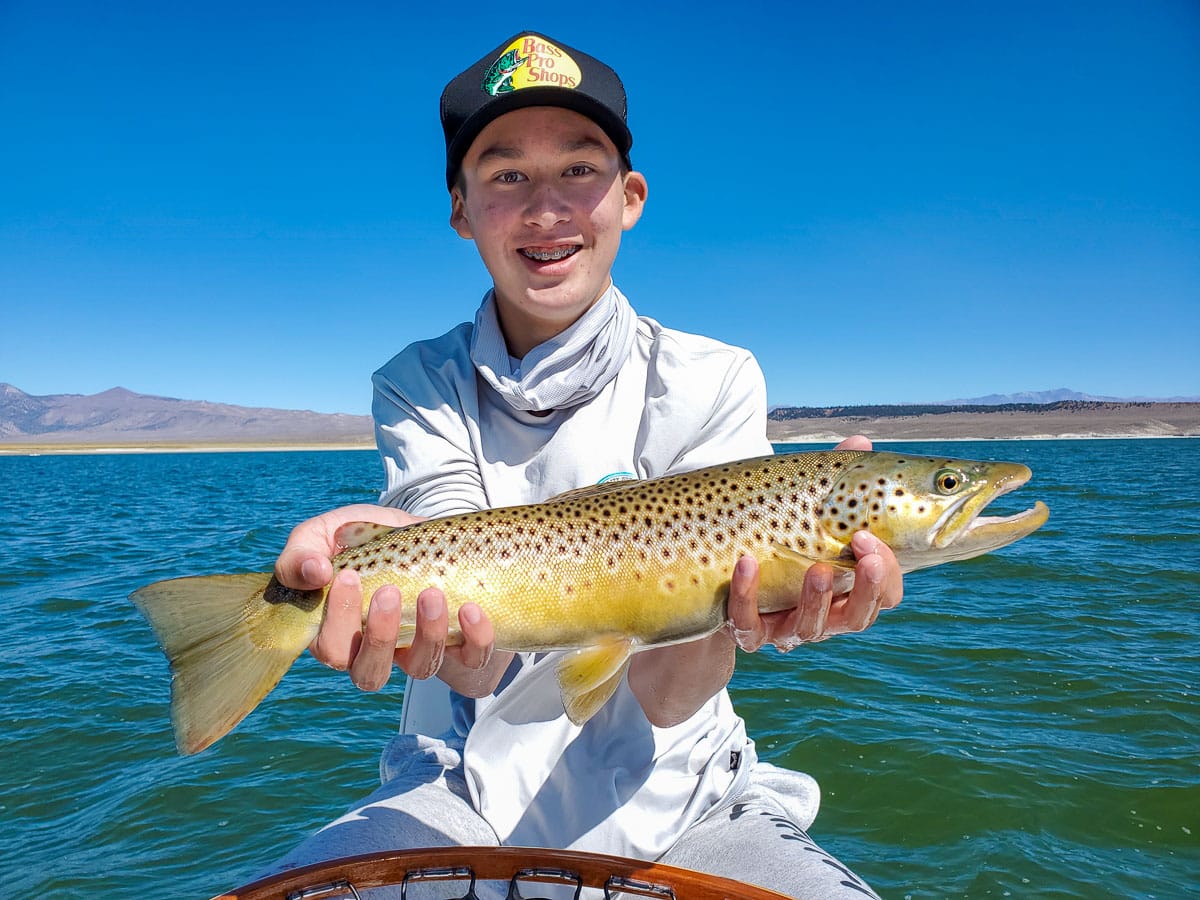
pixel 1025 724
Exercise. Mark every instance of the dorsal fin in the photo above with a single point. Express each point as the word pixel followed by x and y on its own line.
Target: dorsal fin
pixel 594 490
pixel 355 534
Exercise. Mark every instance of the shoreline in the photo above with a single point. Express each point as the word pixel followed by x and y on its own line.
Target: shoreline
pixel 812 438
pixel 883 439
pixel 1124 421
pixel 1055 422
pixel 145 447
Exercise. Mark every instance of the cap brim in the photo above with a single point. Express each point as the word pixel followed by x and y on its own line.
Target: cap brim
pixel 612 125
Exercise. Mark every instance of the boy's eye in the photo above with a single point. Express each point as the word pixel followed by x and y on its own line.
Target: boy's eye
pixel 510 177
pixel 579 170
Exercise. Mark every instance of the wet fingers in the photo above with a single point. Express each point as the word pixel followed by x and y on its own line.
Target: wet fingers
pixel 478 637
pixel 744 625
pixel 372 665
pixel 866 599
pixel 423 659
pixel 337 641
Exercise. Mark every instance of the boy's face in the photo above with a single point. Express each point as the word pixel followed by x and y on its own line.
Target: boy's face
pixel 542 195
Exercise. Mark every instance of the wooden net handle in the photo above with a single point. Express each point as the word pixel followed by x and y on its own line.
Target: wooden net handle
pixel 595 870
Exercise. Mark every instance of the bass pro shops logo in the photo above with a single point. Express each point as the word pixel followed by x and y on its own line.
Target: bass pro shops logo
pixel 531 62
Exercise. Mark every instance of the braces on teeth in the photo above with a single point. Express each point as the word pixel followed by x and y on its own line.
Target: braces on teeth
pixel 548 255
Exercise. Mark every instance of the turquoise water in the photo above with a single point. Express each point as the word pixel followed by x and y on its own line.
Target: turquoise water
pixel 1025 724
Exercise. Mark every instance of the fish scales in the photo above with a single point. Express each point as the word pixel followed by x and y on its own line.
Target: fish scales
pixel 603 572
pixel 541 570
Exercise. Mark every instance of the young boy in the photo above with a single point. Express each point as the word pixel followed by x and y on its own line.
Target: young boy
pixel 558 384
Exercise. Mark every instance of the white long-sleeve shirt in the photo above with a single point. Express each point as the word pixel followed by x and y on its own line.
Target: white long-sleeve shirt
pixel 450 444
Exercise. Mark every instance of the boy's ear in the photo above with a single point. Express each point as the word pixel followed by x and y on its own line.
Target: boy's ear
pixel 635 199
pixel 458 214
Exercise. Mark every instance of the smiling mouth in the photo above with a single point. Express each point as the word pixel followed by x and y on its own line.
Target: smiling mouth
pixel 549 254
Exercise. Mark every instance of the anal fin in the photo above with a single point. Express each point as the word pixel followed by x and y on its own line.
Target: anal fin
pixel 588 677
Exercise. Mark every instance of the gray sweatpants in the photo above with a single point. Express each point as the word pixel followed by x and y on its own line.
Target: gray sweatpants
pixel 756 837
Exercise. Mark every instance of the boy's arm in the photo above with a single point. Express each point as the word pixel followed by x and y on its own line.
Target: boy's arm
pixel 424 443
pixel 672 683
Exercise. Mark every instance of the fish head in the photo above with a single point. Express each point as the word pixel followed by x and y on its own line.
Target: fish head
pixel 927 509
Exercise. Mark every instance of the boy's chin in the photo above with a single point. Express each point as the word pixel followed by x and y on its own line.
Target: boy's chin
pixel 562 289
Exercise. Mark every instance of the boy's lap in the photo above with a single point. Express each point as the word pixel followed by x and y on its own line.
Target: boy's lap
pixel 760 837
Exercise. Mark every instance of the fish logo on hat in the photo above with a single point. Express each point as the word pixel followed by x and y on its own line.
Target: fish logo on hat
pixel 531 61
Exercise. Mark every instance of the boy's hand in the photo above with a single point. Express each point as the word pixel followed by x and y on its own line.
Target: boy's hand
pixel 305 563
pixel 878 585
pixel 368 651
pixel 672 682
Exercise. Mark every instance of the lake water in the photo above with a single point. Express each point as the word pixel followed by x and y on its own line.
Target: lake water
pixel 1025 724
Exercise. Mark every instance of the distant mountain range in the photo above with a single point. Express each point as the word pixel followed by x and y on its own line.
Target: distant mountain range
pixel 1056 396
pixel 122 417
pixel 1059 395
pixel 1007 417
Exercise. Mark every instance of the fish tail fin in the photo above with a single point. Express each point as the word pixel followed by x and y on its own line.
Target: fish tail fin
pixel 229 639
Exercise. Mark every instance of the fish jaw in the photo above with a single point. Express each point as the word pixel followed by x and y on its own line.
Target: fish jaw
pixel 927 509
pixel 988 533
pixel 963 533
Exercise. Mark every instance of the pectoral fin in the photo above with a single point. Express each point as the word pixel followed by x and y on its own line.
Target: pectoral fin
pixel 588 677
pixel 843 567
pixel 807 561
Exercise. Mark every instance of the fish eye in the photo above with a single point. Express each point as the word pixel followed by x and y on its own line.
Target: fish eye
pixel 948 481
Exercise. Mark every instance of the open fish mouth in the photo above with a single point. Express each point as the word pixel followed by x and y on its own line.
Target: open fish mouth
pixel 962 532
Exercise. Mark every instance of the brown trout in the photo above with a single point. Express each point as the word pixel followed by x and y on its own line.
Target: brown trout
pixel 604 571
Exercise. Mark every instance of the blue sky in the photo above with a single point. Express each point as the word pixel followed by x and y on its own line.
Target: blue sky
pixel 886 202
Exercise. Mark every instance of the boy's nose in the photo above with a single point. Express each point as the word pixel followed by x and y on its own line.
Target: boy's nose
pixel 547 207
